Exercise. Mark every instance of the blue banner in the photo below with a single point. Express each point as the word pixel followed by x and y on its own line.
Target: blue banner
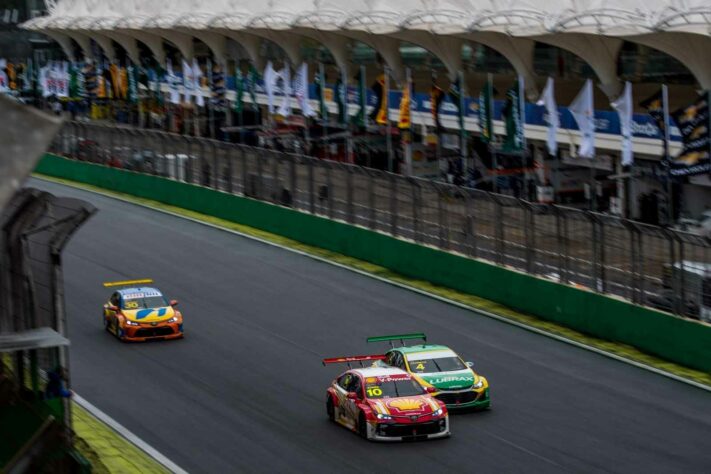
pixel 606 121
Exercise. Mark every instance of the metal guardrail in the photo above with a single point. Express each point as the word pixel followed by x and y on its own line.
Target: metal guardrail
pixel 648 265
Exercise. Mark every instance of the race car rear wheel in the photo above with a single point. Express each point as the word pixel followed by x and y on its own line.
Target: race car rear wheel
pixel 330 410
pixel 362 426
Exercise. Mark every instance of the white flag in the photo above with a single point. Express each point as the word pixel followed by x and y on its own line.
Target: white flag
pixel 583 113
pixel 270 79
pixel 188 81
pixel 197 84
pixel 548 100
pixel 42 80
pixel 4 83
pixel 285 107
pixel 301 91
pixel 623 106
pixel 63 80
pixel 172 84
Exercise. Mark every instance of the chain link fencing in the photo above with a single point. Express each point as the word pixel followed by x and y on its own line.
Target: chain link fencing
pixel 648 265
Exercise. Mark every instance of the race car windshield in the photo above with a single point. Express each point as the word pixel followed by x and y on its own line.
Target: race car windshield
pixel 394 388
pixel 145 302
pixel 443 364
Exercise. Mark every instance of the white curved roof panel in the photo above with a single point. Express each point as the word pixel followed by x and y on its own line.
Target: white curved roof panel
pixel 440 17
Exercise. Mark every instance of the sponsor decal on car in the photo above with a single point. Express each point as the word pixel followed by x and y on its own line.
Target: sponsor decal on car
pixel 406 404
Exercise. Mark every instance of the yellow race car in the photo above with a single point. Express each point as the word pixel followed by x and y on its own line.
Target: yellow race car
pixel 141 313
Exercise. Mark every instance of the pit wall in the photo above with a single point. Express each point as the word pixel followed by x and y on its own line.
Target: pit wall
pixel 678 340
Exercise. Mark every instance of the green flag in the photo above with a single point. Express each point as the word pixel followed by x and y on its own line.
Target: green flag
pixel 512 117
pixel 239 91
pixel 320 83
pixel 73 81
pixel 485 112
pixel 361 116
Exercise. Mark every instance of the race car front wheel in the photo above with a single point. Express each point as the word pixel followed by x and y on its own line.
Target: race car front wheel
pixel 329 408
pixel 362 426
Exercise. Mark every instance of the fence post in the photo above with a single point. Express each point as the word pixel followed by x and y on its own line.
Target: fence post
pixel 634 284
pixel 603 256
pixel 329 189
pixel 560 239
pixel 245 172
pixel 260 177
pixel 530 236
pixel 642 283
pixel 441 217
pixel 393 204
pixel 470 222
pixel 371 201
pixel 349 195
pixel 675 282
pixel 293 179
pixel 229 156
pixel 215 164
pixel 499 225
pixel 416 233
pixel 276 193
pixel 682 280
pixel 312 192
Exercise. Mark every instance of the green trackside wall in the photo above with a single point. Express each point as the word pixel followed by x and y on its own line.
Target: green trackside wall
pixel 678 340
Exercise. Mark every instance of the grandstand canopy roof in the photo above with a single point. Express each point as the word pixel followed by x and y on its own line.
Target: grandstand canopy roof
pixel 680 28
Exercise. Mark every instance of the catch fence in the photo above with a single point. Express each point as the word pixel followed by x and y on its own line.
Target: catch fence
pixel 649 265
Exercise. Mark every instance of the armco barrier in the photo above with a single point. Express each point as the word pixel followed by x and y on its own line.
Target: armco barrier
pixel 675 339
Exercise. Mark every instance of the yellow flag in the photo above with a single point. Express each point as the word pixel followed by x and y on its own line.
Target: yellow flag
pixel 124 82
pixel 405 104
pixel 382 116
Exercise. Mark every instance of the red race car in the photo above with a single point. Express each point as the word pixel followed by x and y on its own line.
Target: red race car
pixel 384 403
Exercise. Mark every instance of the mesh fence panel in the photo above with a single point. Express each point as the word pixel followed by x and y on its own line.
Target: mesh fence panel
pixel 646 264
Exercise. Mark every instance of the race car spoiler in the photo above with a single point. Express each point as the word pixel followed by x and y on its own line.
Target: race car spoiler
pixel 109 284
pixel 398 337
pixel 349 360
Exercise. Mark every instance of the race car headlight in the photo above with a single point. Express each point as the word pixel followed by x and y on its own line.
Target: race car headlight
pixel 174 319
pixel 438 412
pixel 382 416
pixel 479 384
pixel 131 323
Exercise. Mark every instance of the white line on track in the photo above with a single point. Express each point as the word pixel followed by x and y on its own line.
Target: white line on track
pixel 128 435
pixel 482 312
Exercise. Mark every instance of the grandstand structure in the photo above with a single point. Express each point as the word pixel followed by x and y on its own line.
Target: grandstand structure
pixel 647 42
pixel 592 30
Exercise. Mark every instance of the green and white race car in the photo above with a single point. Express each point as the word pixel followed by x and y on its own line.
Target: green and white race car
pixel 440 370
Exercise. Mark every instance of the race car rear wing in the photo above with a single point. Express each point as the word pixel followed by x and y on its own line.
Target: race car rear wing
pixel 351 359
pixel 398 337
pixel 110 284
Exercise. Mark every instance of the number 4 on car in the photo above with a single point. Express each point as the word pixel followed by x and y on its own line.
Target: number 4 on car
pixel 440 369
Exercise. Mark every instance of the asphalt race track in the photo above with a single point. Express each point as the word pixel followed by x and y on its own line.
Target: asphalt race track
pixel 245 390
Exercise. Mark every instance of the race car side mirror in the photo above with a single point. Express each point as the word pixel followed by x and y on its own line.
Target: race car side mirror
pixel 470 364
pixel 174 302
pixel 112 307
pixel 430 389
pixel 352 396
